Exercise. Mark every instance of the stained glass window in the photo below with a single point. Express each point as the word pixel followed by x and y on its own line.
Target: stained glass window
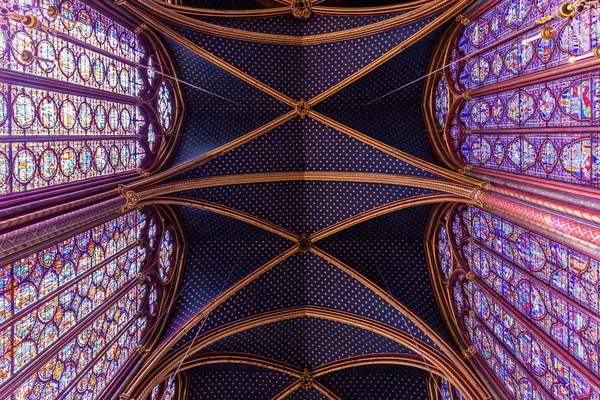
pixel 444 390
pixel 165 106
pixel 544 129
pixel 530 308
pixel 166 390
pixel 72 314
pixel 92 125
pixel 166 255
pixel 441 101
pixel 444 252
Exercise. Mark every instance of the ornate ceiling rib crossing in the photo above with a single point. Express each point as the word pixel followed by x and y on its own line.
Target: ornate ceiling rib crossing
pixel 289 270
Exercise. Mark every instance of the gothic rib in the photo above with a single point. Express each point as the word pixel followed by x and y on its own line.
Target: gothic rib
pixel 297 385
pixel 326 232
pixel 326 391
pixel 382 210
pixel 286 391
pixel 224 210
pixel 197 360
pixel 427 10
pixel 212 154
pixel 285 10
pixel 376 10
pixel 334 176
pixel 450 370
pixel 448 350
pixel 409 360
pixel 399 154
pixel 207 55
pixel 443 18
pixel 214 303
pixel 205 12
pixel 331 91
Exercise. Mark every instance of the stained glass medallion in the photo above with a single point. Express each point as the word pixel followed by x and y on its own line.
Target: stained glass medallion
pixel 165 106
pixel 91 51
pixel 441 102
pixel 86 287
pixel 72 314
pixel 528 295
pixel 166 248
pixel 165 390
pixel 538 130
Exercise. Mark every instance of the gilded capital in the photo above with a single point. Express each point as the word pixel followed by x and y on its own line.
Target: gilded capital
pixel 142 351
pixel 477 195
pixel 466 169
pixel 462 19
pixel 470 276
pixel 131 198
pixel 138 29
pixel 469 352
pixel 142 173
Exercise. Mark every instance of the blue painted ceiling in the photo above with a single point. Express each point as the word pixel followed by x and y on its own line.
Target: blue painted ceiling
pixel 302 71
pixel 387 250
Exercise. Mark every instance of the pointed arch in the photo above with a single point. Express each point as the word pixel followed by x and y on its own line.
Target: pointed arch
pixel 511 97
pixel 84 97
pixel 520 305
pixel 164 367
pixel 88 308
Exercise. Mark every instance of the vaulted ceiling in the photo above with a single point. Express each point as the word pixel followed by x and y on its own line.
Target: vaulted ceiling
pixel 260 301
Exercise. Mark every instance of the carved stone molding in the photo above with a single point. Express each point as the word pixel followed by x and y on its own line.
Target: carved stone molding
pixel 142 351
pixel 307 379
pixel 302 108
pixel 466 169
pixel 141 278
pixel 477 195
pixel 305 243
pixel 301 9
pixel 131 197
pixel 141 27
pixel 486 186
pixel 142 173
pixel 462 19
pixel 469 352
pixel 470 276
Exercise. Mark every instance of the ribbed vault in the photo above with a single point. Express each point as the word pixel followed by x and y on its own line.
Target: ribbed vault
pixel 305 223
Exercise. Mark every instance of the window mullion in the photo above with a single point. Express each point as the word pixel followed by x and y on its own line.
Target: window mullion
pixel 21 376
pixel 54 85
pixel 67 286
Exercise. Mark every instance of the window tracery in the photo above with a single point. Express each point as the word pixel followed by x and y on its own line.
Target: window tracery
pixel 78 102
pixel 441 389
pixel 509 114
pixel 166 390
pixel 527 304
pixel 74 314
pixel 76 92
